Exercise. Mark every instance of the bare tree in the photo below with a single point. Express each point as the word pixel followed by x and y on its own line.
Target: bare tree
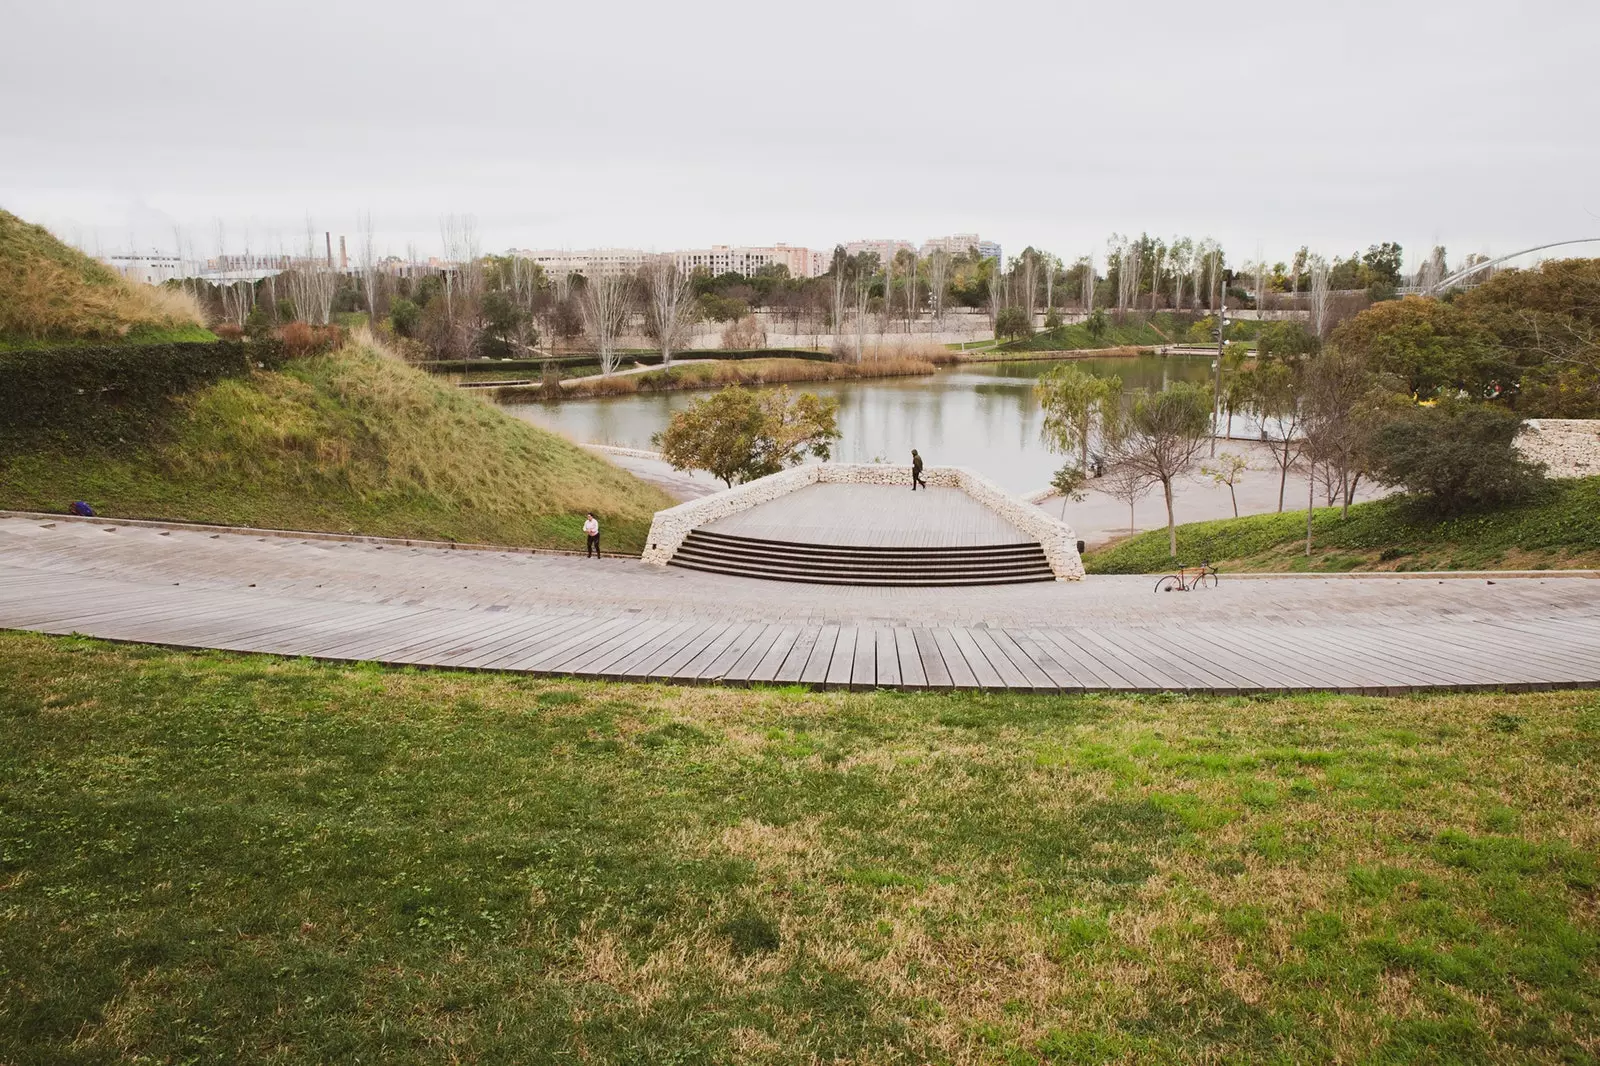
pixel 367 267
pixel 1088 282
pixel 312 283
pixel 605 309
pixel 1160 437
pixel 669 303
pixel 1319 297
pixel 1181 252
pixel 938 278
pixel 1128 484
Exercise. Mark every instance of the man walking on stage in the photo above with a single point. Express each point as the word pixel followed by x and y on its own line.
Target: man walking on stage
pixel 916 471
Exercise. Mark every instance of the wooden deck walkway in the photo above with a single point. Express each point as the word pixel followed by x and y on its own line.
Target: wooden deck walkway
pixel 873 516
pixel 620 619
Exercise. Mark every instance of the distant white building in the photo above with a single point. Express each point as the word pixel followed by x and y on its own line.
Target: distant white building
pixel 590 262
pixel 748 260
pixel 960 244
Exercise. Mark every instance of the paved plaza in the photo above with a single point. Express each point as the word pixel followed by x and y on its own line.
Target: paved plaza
pixel 619 618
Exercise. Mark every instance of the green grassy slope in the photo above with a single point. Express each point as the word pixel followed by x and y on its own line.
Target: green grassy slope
pixel 52 294
pixel 208 858
pixel 349 442
pixel 1557 527
pixel 1141 330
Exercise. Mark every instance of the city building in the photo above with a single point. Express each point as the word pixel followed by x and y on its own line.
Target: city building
pixel 722 259
pixel 960 244
pixel 590 262
pixel 885 249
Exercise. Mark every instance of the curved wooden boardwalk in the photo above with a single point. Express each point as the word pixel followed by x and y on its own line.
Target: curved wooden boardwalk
pixel 621 619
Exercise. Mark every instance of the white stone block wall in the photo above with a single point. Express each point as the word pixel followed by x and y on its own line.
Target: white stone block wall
pixel 1568 447
pixel 671 527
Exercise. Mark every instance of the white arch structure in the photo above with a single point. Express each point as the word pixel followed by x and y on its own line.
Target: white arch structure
pixel 1444 283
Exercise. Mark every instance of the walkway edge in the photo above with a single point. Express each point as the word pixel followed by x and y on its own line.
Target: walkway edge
pixel 295 534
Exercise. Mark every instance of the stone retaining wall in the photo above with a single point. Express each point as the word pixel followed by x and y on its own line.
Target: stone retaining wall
pixel 1568 447
pixel 671 526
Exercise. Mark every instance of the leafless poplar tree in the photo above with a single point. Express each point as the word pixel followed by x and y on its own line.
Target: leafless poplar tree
pixel 1088 283
pixel 367 265
pixel 938 278
pixel 605 309
pixel 1319 296
pixel 312 283
pixel 669 302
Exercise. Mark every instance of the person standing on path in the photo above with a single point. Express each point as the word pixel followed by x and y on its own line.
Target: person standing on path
pixel 591 527
pixel 916 471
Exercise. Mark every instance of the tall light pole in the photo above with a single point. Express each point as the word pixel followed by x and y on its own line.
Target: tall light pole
pixel 1223 321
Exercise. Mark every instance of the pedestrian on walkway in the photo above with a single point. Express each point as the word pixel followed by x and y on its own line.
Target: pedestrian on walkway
pixel 916 471
pixel 591 527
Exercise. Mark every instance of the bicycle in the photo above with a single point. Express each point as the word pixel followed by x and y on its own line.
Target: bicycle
pixel 1203 576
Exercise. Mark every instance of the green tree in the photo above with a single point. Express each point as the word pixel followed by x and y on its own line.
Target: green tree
pixel 1074 402
pixel 1068 483
pixel 1160 438
pixel 1285 340
pixel 1013 322
pixel 738 435
pixel 1431 346
pixel 406 317
pixel 1383 261
pixel 1454 456
pixel 1227 470
pixel 1097 323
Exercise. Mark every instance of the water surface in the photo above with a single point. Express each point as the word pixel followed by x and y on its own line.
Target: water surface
pixel 977 415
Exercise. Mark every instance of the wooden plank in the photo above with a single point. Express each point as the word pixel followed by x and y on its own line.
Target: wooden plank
pixel 999 662
pixel 679 650
pixel 1033 675
pixel 888 655
pixel 864 671
pixel 767 669
pixel 1083 665
pixel 646 634
pixel 931 657
pixel 983 672
pixel 1048 660
pixel 700 667
pixel 821 659
pixel 1113 662
pixel 794 663
pixel 912 675
pixel 1199 673
pixel 741 670
pixel 955 662
pixel 629 665
pixel 572 642
pixel 842 668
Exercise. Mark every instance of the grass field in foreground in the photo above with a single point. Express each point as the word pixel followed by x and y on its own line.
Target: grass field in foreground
pixel 1557 527
pixel 208 858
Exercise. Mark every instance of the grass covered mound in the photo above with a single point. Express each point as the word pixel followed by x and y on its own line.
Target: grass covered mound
pixel 211 858
pixel 51 294
pixel 350 442
pixel 1556 527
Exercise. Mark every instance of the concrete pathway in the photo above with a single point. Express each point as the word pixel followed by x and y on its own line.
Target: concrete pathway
pixel 622 619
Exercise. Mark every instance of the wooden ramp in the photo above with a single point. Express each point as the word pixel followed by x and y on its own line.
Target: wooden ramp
pixel 1244 655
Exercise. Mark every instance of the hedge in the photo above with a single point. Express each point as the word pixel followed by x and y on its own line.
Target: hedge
pixel 110 391
pixel 582 359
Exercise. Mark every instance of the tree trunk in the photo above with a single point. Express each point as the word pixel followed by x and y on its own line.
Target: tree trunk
pixel 1235 498
pixel 1283 478
pixel 1349 493
pixel 1311 501
pixel 1172 528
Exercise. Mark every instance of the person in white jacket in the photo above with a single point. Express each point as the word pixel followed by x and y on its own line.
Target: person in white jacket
pixel 591 527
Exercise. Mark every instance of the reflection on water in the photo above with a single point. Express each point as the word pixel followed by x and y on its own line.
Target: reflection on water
pixel 981 415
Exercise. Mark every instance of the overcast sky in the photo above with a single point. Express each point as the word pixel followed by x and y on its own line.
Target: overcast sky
pixel 658 125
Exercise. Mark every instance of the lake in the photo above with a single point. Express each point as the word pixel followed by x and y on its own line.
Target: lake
pixel 978 415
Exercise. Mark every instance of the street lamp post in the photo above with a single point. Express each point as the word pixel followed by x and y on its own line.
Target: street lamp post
pixel 1223 321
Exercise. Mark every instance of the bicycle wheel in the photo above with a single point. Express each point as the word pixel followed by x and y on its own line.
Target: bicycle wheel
pixel 1169 584
pixel 1207 580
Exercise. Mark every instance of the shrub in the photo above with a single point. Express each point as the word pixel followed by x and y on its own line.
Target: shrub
pixel 406 316
pixel 229 331
pixel 744 333
pixel 1455 456
pixel 1012 322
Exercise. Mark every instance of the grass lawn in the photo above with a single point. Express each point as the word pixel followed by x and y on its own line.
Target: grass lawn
pixel 209 858
pixel 347 442
pixel 1558 527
